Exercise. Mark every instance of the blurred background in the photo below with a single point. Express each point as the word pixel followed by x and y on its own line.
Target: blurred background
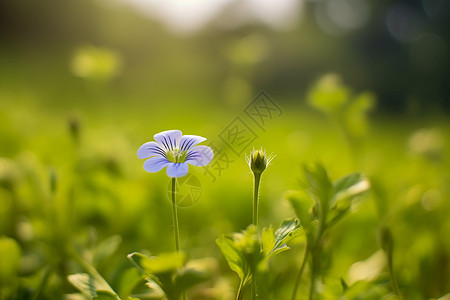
pixel 362 86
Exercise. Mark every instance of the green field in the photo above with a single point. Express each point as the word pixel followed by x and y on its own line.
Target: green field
pixel 75 199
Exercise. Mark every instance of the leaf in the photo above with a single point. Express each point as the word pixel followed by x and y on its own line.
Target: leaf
pixel 276 251
pixel 86 284
pixel 129 279
pixel 346 182
pixel 232 255
pixel 155 287
pixel 301 204
pixel 74 296
pixel 357 189
pixel 344 284
pixel 319 184
pixel 350 186
pixel 346 190
pixel 367 291
pixel 356 114
pixel 189 277
pixel 105 295
pixel 163 263
pixel 445 297
pixel 106 248
pixel 338 211
pixel 267 240
pixel 328 94
pixel 289 229
pixel 10 259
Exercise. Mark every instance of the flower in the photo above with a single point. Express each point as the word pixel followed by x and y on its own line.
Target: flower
pixel 174 151
pixel 258 160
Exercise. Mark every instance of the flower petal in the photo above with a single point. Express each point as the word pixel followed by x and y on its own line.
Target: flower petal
pixel 189 141
pixel 168 140
pixel 200 156
pixel 150 149
pixel 155 164
pixel 177 169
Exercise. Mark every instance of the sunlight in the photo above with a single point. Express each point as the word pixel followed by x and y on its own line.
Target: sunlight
pixel 191 15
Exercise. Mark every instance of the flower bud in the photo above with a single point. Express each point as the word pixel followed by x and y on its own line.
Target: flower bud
pixel 258 160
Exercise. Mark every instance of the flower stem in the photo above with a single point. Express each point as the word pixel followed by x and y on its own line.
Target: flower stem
pixel 300 273
pixel 312 286
pixel 393 278
pixel 255 198
pixel 175 216
pixel 254 287
pixel 255 221
pixel 239 292
pixel 175 222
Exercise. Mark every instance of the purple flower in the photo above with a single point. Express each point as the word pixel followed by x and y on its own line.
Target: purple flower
pixel 174 151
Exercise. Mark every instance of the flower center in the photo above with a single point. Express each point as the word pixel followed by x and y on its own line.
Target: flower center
pixel 176 156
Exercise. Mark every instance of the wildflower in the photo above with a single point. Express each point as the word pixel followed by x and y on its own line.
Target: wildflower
pixel 174 151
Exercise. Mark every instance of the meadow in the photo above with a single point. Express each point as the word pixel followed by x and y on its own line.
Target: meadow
pixel 353 197
pixel 75 199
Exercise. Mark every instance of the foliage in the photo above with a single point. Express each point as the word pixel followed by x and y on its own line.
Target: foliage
pixel 74 199
pixel 165 274
pixel 247 253
pixel 324 204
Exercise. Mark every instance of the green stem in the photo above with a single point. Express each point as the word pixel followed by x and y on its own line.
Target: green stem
pixel 255 198
pixel 88 267
pixel 239 292
pixel 175 216
pixel 255 221
pixel 42 284
pixel 312 283
pixel 392 276
pixel 176 229
pixel 300 273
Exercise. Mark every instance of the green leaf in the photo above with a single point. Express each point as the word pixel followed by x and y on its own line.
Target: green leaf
pixel 187 278
pixel 10 259
pixel 338 211
pixel 277 250
pixel 163 263
pixel 346 182
pixel 319 185
pixel 107 248
pixel 344 284
pixel 105 295
pixel 87 284
pixel 356 114
pixel 301 204
pixel 267 240
pixel 346 191
pixel 232 255
pixel 74 296
pixel 289 229
pixel 367 291
pixel 328 94
pixel 128 281
pixel 351 186
pixel 157 287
